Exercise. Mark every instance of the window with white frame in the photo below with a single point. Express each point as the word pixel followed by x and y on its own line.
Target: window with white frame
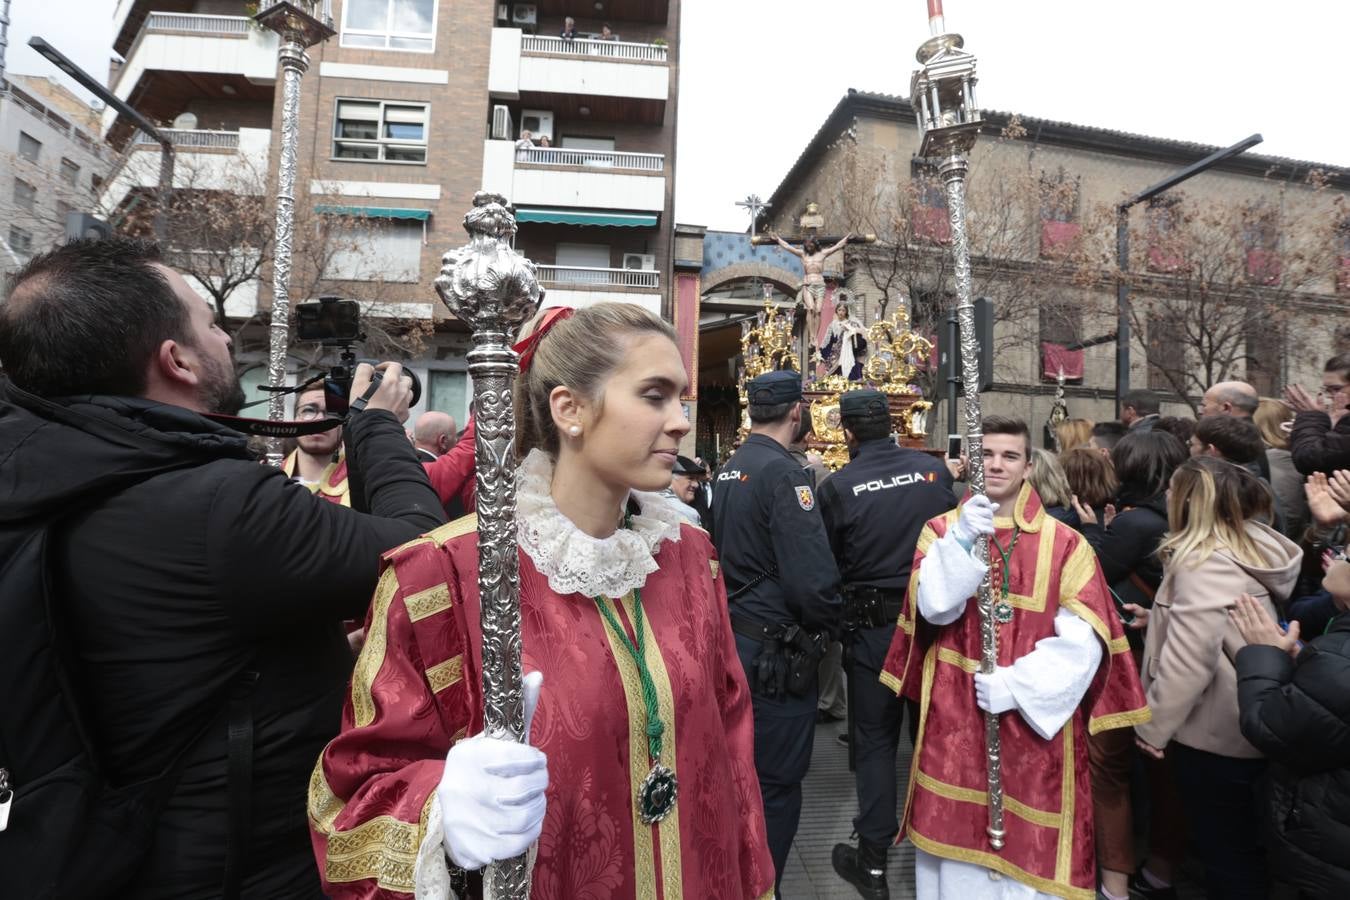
pixel 30 148
pixel 390 24
pixel 376 249
pixel 380 131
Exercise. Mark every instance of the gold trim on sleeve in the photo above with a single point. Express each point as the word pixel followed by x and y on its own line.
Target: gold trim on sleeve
pixel 372 654
pixel 384 848
pixel 1126 719
pixel 427 603
pixel 442 675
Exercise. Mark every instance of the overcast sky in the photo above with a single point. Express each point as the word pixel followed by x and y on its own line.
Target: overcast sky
pixel 758 78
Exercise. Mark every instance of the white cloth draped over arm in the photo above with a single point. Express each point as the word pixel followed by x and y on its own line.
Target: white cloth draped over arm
pixel 948 576
pixel 1050 681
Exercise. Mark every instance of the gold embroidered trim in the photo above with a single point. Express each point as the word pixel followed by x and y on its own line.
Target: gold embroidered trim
pixel 1045 565
pixel 891 682
pixel 383 848
pixel 668 829
pixel 999 864
pixel 1064 856
pixel 451 530
pixel 1126 719
pixel 372 654
pixel 427 603
pixel 960 794
pixel 644 857
pixel 324 805
pixel 948 655
pixel 442 675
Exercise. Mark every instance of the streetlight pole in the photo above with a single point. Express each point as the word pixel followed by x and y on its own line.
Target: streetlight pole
pixel 1123 253
pixel 299 29
pixel 94 86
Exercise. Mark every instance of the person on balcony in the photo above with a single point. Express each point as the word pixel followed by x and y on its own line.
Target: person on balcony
pixel 606 34
pixel 569 29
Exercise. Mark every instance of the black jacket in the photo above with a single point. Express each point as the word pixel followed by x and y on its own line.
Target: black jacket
pixel 1127 549
pixel 875 507
pixel 771 540
pixel 1318 447
pixel 1298 714
pixel 180 562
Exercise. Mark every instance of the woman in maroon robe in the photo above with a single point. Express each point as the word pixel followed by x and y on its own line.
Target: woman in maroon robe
pixel 644 717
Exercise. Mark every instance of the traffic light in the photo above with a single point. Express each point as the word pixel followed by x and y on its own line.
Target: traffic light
pixel 949 348
pixel 84 225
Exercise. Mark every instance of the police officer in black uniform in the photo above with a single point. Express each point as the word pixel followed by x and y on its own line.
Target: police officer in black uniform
pixel 783 589
pixel 874 509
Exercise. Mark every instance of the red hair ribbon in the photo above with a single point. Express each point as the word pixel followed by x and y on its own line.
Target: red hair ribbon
pixel 527 347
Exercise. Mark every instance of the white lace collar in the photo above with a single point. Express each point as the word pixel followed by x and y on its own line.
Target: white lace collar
pixel 573 561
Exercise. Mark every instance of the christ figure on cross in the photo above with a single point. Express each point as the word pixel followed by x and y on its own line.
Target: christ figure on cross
pixel 812 292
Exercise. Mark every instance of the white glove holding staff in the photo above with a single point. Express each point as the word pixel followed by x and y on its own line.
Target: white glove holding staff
pixel 977 518
pixel 492 793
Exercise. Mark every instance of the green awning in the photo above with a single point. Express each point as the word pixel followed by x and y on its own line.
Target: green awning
pixel 374 212
pixel 584 217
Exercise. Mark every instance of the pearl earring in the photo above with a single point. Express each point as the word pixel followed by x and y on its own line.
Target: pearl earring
pixel 574 430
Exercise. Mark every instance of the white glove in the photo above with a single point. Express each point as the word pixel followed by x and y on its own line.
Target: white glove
pixel 492 793
pixel 976 518
pixel 992 693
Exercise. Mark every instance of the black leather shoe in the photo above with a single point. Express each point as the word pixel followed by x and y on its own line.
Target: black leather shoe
pixel 1140 889
pixel 864 867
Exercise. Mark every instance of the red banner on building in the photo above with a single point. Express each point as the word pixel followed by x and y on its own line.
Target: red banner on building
pixel 685 313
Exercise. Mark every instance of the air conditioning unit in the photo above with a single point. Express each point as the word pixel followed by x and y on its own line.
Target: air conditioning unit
pixel 524 16
pixel 538 122
pixel 501 124
pixel 503 15
pixel 640 262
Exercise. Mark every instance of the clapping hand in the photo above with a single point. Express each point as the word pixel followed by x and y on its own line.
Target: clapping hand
pixel 1297 397
pixel 1325 504
pixel 1257 627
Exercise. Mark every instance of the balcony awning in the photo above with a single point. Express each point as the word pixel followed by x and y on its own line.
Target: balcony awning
pixel 585 217
pixel 374 212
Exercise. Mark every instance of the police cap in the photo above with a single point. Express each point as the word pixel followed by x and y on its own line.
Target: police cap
pixel 863 405
pixel 774 388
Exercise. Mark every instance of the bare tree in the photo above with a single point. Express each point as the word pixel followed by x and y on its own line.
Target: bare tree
pixel 1223 287
pixel 1031 278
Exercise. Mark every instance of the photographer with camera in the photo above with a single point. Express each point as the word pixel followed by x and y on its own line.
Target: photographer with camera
pixel 169 613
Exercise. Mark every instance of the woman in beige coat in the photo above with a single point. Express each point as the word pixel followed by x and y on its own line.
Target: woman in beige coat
pixel 1215 551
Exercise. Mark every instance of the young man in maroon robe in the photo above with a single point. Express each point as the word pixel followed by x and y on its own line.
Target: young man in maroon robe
pixel 1064 671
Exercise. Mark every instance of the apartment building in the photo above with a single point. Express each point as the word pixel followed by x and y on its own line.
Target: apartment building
pixel 407 111
pixel 53 161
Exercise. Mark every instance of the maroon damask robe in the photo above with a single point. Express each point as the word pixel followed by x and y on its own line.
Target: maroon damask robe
pixel 416 689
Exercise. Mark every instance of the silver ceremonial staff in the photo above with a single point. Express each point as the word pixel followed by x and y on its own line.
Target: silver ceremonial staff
pixel 300 28
pixel 493 289
pixel 943 94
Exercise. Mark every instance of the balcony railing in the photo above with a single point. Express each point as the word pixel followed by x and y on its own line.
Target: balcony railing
pixel 581 276
pixel 193 23
pixel 193 137
pixel 603 159
pixel 535 43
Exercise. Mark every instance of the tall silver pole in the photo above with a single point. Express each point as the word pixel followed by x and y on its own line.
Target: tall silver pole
pixel 299 29
pixel 953 170
pixel 943 94
pixel 493 289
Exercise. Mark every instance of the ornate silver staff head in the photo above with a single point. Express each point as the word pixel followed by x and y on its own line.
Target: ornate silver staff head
pixel 487 283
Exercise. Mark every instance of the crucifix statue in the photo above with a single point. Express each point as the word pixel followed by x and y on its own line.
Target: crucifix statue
pixel 809 247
